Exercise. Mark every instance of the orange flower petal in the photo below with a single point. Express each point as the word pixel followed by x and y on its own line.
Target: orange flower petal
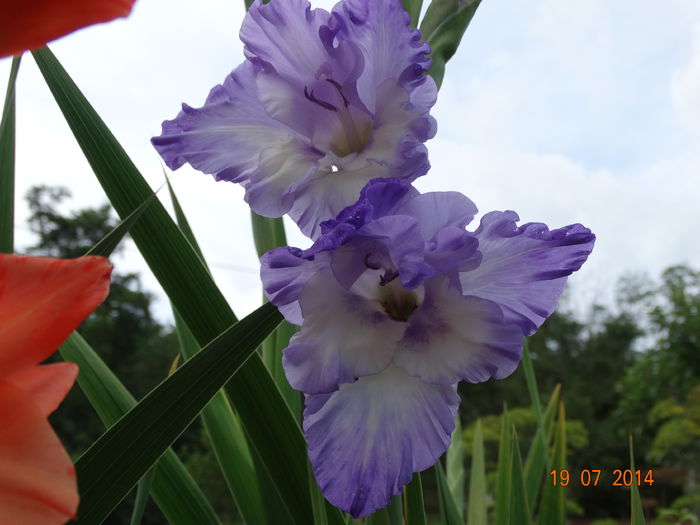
pixel 42 301
pixel 46 385
pixel 29 24
pixel 37 478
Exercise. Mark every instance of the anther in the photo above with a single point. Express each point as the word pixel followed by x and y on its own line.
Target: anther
pixel 388 276
pixel 310 96
pixel 339 88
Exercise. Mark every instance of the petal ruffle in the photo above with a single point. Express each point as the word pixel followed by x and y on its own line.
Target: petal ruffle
pixel 451 337
pixel 37 478
pixel 524 268
pixel 391 48
pixel 367 439
pixel 42 300
pixel 344 336
pixel 233 138
pixel 438 210
pixel 399 134
pixel 295 41
pixel 29 24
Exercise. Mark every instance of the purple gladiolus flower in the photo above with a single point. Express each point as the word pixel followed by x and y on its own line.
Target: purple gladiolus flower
pixel 323 103
pixel 397 303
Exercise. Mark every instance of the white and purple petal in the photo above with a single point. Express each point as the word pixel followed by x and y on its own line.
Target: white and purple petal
pixel 392 49
pixel 284 36
pixel 344 336
pixel 400 129
pixel 368 438
pixel 284 272
pixel 233 138
pixel 438 210
pixel 305 73
pixel 451 337
pixel 524 268
pixel 323 196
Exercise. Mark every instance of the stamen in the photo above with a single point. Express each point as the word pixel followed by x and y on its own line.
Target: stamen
pixel 388 276
pixel 353 136
pixel 340 90
pixel 352 140
pixel 321 103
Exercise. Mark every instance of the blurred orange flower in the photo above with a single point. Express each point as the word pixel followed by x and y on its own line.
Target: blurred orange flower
pixel 42 301
pixel 29 24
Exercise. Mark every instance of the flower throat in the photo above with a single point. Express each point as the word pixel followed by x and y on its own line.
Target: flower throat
pixel 353 138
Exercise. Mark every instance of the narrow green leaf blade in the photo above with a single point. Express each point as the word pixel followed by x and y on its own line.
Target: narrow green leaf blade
pixel 449 515
pixel 504 468
pixel 636 509
pixel 7 163
pixel 443 26
pixel 455 466
pixel 476 508
pixel 268 233
pixel 413 8
pixel 220 422
pixel 142 494
pixel 317 502
pixel 414 507
pixel 228 441
pixel 553 505
pixel 182 221
pixel 538 456
pixel 272 357
pixel 392 514
pixel 178 268
pixel 123 454
pixel 109 242
pixel 531 381
pixel 173 489
pixel 273 432
pixel 519 508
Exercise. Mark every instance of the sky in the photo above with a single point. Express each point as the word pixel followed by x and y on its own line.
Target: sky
pixel 578 111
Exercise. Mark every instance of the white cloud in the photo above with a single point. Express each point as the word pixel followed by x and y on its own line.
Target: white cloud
pixel 685 88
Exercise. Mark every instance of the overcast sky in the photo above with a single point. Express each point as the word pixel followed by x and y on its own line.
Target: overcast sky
pixel 564 111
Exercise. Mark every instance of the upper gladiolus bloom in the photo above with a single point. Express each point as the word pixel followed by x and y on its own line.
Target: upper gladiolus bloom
pixel 397 303
pixel 42 301
pixel 29 24
pixel 324 103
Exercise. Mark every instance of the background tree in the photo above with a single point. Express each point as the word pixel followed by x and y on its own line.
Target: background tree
pixel 588 358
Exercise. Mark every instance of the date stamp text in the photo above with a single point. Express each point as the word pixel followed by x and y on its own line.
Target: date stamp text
pixel 594 477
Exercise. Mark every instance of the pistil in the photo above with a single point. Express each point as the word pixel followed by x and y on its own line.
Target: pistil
pixel 398 302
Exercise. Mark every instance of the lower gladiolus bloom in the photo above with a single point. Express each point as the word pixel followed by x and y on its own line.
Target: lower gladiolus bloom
pixel 397 303
pixel 42 301
pixel 29 24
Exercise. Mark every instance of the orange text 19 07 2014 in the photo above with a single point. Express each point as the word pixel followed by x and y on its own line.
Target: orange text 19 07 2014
pixel 595 477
